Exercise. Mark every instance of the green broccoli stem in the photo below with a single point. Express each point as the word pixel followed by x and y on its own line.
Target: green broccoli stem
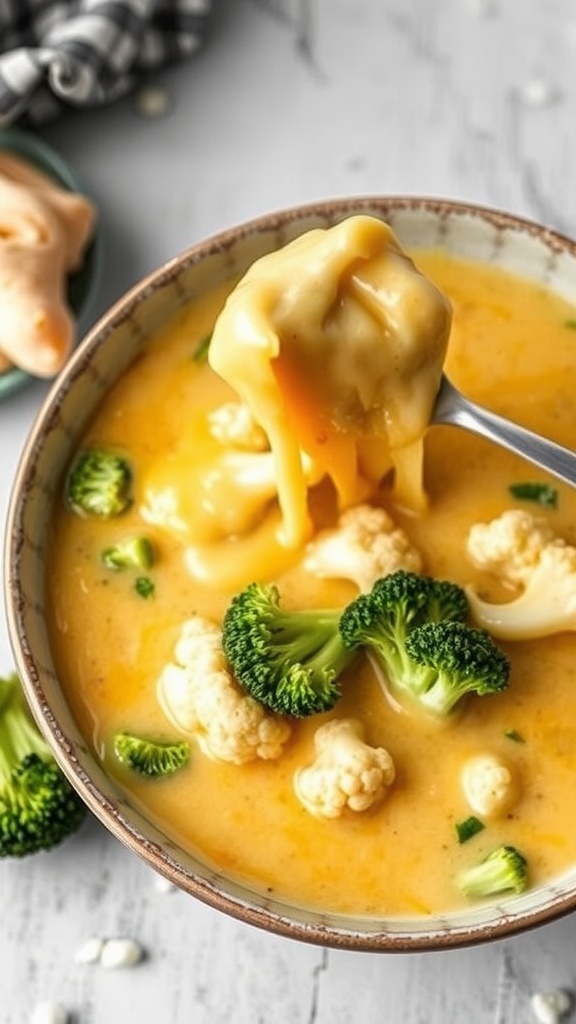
pixel 396 671
pixel 305 634
pixel 331 658
pixel 441 697
pixel 19 736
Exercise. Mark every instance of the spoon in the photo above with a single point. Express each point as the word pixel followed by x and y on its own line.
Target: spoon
pixel 451 407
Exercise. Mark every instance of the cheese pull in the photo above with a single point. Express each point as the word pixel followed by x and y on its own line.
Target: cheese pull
pixel 44 230
pixel 205 492
pixel 336 343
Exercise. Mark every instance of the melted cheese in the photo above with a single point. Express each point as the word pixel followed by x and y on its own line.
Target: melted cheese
pixel 110 646
pixel 335 341
pixel 218 498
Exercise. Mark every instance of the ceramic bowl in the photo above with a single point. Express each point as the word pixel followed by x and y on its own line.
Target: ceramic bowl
pixel 110 347
pixel 82 285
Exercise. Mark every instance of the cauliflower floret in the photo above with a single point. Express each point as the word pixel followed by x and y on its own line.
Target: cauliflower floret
pixel 510 545
pixel 365 545
pixel 488 785
pixel 347 772
pixel 199 696
pixel 233 423
pixel 536 559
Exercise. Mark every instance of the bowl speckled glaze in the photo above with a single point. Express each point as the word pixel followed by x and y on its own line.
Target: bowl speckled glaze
pixel 110 347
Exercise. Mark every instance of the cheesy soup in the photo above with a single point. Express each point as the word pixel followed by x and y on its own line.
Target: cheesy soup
pixel 117 635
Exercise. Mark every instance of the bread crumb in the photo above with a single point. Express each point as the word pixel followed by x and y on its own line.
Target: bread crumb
pixel 539 93
pixel 152 101
pixel 49 1013
pixel 110 953
pixel 121 953
pixel 550 1007
pixel 90 952
pixel 164 885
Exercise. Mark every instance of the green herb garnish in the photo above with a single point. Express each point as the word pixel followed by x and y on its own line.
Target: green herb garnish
pixel 514 735
pixel 542 494
pixel 144 587
pixel 570 324
pixel 200 353
pixel 468 828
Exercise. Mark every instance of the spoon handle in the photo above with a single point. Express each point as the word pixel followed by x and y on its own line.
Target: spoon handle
pixel 453 408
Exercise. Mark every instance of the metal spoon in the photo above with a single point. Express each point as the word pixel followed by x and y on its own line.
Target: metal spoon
pixel 452 407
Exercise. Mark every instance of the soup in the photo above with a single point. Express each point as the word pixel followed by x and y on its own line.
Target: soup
pixel 512 347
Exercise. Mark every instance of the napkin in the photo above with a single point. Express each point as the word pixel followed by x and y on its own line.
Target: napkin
pixel 84 53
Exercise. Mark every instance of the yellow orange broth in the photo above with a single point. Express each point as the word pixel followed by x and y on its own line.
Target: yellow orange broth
pixel 512 348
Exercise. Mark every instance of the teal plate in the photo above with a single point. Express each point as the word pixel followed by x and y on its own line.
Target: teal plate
pixel 82 285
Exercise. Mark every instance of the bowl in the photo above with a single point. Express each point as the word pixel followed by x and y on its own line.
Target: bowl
pixel 110 347
pixel 83 284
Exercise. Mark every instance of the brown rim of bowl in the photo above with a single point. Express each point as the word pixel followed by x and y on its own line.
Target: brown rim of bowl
pixel 247 909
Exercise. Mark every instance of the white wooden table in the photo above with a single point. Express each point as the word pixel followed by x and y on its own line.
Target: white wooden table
pixel 293 100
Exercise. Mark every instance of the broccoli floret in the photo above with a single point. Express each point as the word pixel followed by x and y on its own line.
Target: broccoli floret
pixel 413 627
pixel 447 602
pixel 503 870
pixel 129 553
pixel 99 484
pixel 397 603
pixel 289 661
pixel 454 659
pixel 38 806
pixel 151 757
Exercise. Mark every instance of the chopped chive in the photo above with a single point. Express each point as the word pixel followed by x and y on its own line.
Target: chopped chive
pixel 468 828
pixel 570 324
pixel 144 586
pixel 201 351
pixel 514 735
pixel 542 494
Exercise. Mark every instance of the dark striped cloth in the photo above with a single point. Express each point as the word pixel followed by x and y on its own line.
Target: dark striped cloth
pixel 84 53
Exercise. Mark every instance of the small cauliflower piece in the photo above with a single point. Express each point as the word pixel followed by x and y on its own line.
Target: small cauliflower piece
pixel 522 549
pixel 510 545
pixel 347 772
pixel 200 697
pixel 488 785
pixel 365 545
pixel 234 424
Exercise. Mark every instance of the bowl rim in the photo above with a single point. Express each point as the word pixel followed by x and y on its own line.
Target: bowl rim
pixel 251 907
